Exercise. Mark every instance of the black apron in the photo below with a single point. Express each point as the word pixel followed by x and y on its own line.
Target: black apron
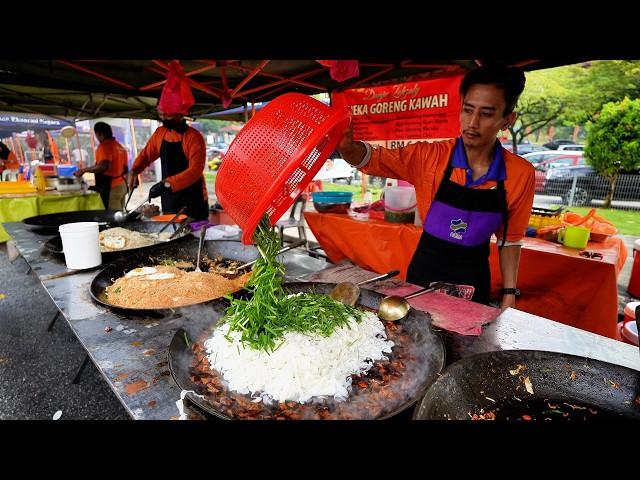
pixel 454 245
pixel 174 161
pixel 103 187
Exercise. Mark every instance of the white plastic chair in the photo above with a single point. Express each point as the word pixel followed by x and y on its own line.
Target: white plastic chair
pixel 10 175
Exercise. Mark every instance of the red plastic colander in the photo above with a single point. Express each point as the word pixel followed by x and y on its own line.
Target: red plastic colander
pixel 275 156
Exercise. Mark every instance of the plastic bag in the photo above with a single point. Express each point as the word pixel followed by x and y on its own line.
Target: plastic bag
pixel 176 95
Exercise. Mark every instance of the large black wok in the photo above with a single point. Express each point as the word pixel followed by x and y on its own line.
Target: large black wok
pixel 186 250
pixel 48 224
pixel 563 385
pixel 54 245
pixel 422 353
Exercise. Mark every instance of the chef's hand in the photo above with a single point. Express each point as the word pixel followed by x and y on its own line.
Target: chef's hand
pixel 158 189
pixel 346 142
pixel 78 173
pixel 132 180
pixel 508 301
pixel 352 152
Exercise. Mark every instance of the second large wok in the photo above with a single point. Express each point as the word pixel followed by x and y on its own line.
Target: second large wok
pixel 182 251
pixel 54 245
pixel 532 385
pixel 48 224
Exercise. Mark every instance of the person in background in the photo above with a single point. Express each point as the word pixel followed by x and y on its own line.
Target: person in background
pixel 467 188
pixel 181 149
pixel 8 160
pixel 110 168
pixel 79 157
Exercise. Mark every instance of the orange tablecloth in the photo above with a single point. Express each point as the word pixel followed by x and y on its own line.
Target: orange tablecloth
pixel 556 282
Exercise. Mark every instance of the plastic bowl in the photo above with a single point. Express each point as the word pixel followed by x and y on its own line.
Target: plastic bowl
pixel 332 197
pixel 330 207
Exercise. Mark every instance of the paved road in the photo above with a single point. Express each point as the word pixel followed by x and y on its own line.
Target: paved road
pixel 36 366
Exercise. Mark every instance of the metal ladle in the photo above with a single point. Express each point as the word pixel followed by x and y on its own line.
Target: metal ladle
pixel 122 215
pixel 348 293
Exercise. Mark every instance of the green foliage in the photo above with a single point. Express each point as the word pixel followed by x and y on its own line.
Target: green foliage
pixel 613 141
pixel 574 94
pixel 213 126
pixel 615 137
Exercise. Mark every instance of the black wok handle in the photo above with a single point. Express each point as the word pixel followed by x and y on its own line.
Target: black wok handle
pixel 182 226
pixel 638 321
pixel 282 250
pixel 180 212
pixel 384 276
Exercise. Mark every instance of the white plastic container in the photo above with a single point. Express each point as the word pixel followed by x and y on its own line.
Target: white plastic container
pixel 80 245
pixel 400 204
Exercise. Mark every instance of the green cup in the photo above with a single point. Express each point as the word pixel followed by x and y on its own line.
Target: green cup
pixel 574 237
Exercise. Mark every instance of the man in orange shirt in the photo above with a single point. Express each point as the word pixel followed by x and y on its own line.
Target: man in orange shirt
pixel 467 188
pixel 181 149
pixel 110 168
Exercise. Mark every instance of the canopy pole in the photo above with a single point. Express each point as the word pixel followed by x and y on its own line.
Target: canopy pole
pixel 133 138
pixel 80 149
pixel 93 147
pixel 66 144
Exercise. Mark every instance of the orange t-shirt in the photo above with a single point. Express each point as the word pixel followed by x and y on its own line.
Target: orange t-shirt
pixel 424 163
pixel 111 150
pixel 11 163
pixel 194 149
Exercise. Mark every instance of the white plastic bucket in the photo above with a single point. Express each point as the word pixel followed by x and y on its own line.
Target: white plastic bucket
pixel 399 204
pixel 400 198
pixel 80 245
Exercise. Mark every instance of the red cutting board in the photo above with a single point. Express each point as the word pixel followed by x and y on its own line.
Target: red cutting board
pixel 450 313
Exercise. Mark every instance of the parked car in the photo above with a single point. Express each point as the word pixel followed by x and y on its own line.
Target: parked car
pixel 574 147
pixel 554 144
pixel 524 147
pixel 336 170
pixel 544 167
pixel 537 157
pixel 590 185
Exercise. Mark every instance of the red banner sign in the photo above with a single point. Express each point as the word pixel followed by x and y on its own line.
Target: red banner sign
pixel 427 109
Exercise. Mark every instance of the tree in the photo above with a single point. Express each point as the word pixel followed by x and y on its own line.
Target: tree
pixel 540 104
pixel 613 141
pixel 572 95
pixel 596 83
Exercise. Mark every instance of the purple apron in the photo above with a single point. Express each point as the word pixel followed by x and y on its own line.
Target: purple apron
pixel 454 245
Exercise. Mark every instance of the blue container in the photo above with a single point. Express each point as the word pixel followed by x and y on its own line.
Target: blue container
pixel 66 170
pixel 332 197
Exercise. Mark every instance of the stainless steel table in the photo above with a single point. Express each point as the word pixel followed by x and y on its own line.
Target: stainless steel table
pixel 132 355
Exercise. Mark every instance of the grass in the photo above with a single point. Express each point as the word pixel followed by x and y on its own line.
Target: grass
pixel 355 189
pixel 210 177
pixel 627 222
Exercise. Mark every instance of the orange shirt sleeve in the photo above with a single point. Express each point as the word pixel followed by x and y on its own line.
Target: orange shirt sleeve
pixel 150 152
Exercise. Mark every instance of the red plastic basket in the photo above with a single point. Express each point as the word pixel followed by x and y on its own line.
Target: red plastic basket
pixel 275 156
